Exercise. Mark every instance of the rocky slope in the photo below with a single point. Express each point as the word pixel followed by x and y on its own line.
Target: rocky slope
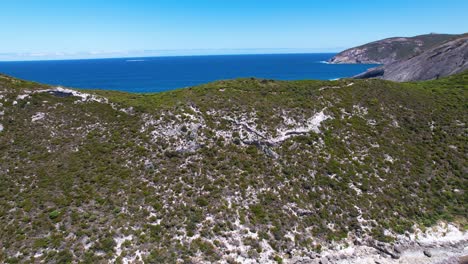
pixel 390 50
pixel 443 60
pixel 241 171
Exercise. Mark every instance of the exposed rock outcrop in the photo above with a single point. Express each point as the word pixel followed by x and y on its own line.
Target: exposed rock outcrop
pixel 390 50
pixel 443 60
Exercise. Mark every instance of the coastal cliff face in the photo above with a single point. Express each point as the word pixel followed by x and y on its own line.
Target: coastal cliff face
pixel 443 60
pixel 240 171
pixel 390 50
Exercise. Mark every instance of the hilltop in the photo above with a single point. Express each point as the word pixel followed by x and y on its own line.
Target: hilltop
pixel 390 50
pixel 237 171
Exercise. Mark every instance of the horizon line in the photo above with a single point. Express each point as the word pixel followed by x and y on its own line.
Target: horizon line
pixel 90 55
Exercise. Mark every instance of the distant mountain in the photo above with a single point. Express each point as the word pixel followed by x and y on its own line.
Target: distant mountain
pixel 445 59
pixel 239 171
pixel 391 49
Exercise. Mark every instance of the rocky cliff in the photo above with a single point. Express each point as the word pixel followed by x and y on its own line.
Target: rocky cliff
pixel 443 60
pixel 391 49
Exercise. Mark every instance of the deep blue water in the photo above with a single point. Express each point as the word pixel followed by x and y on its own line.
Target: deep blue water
pixel 157 74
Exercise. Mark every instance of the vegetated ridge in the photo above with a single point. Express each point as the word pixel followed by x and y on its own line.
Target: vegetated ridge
pixel 233 171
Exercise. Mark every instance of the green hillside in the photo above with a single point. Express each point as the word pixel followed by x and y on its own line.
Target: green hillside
pixel 238 169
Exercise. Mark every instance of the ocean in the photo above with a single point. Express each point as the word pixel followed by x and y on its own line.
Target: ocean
pixel 157 74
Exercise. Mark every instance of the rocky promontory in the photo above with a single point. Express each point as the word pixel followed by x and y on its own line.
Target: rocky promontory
pixel 443 60
pixel 390 50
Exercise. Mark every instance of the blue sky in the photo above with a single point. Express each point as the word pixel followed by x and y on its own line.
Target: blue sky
pixel 45 29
